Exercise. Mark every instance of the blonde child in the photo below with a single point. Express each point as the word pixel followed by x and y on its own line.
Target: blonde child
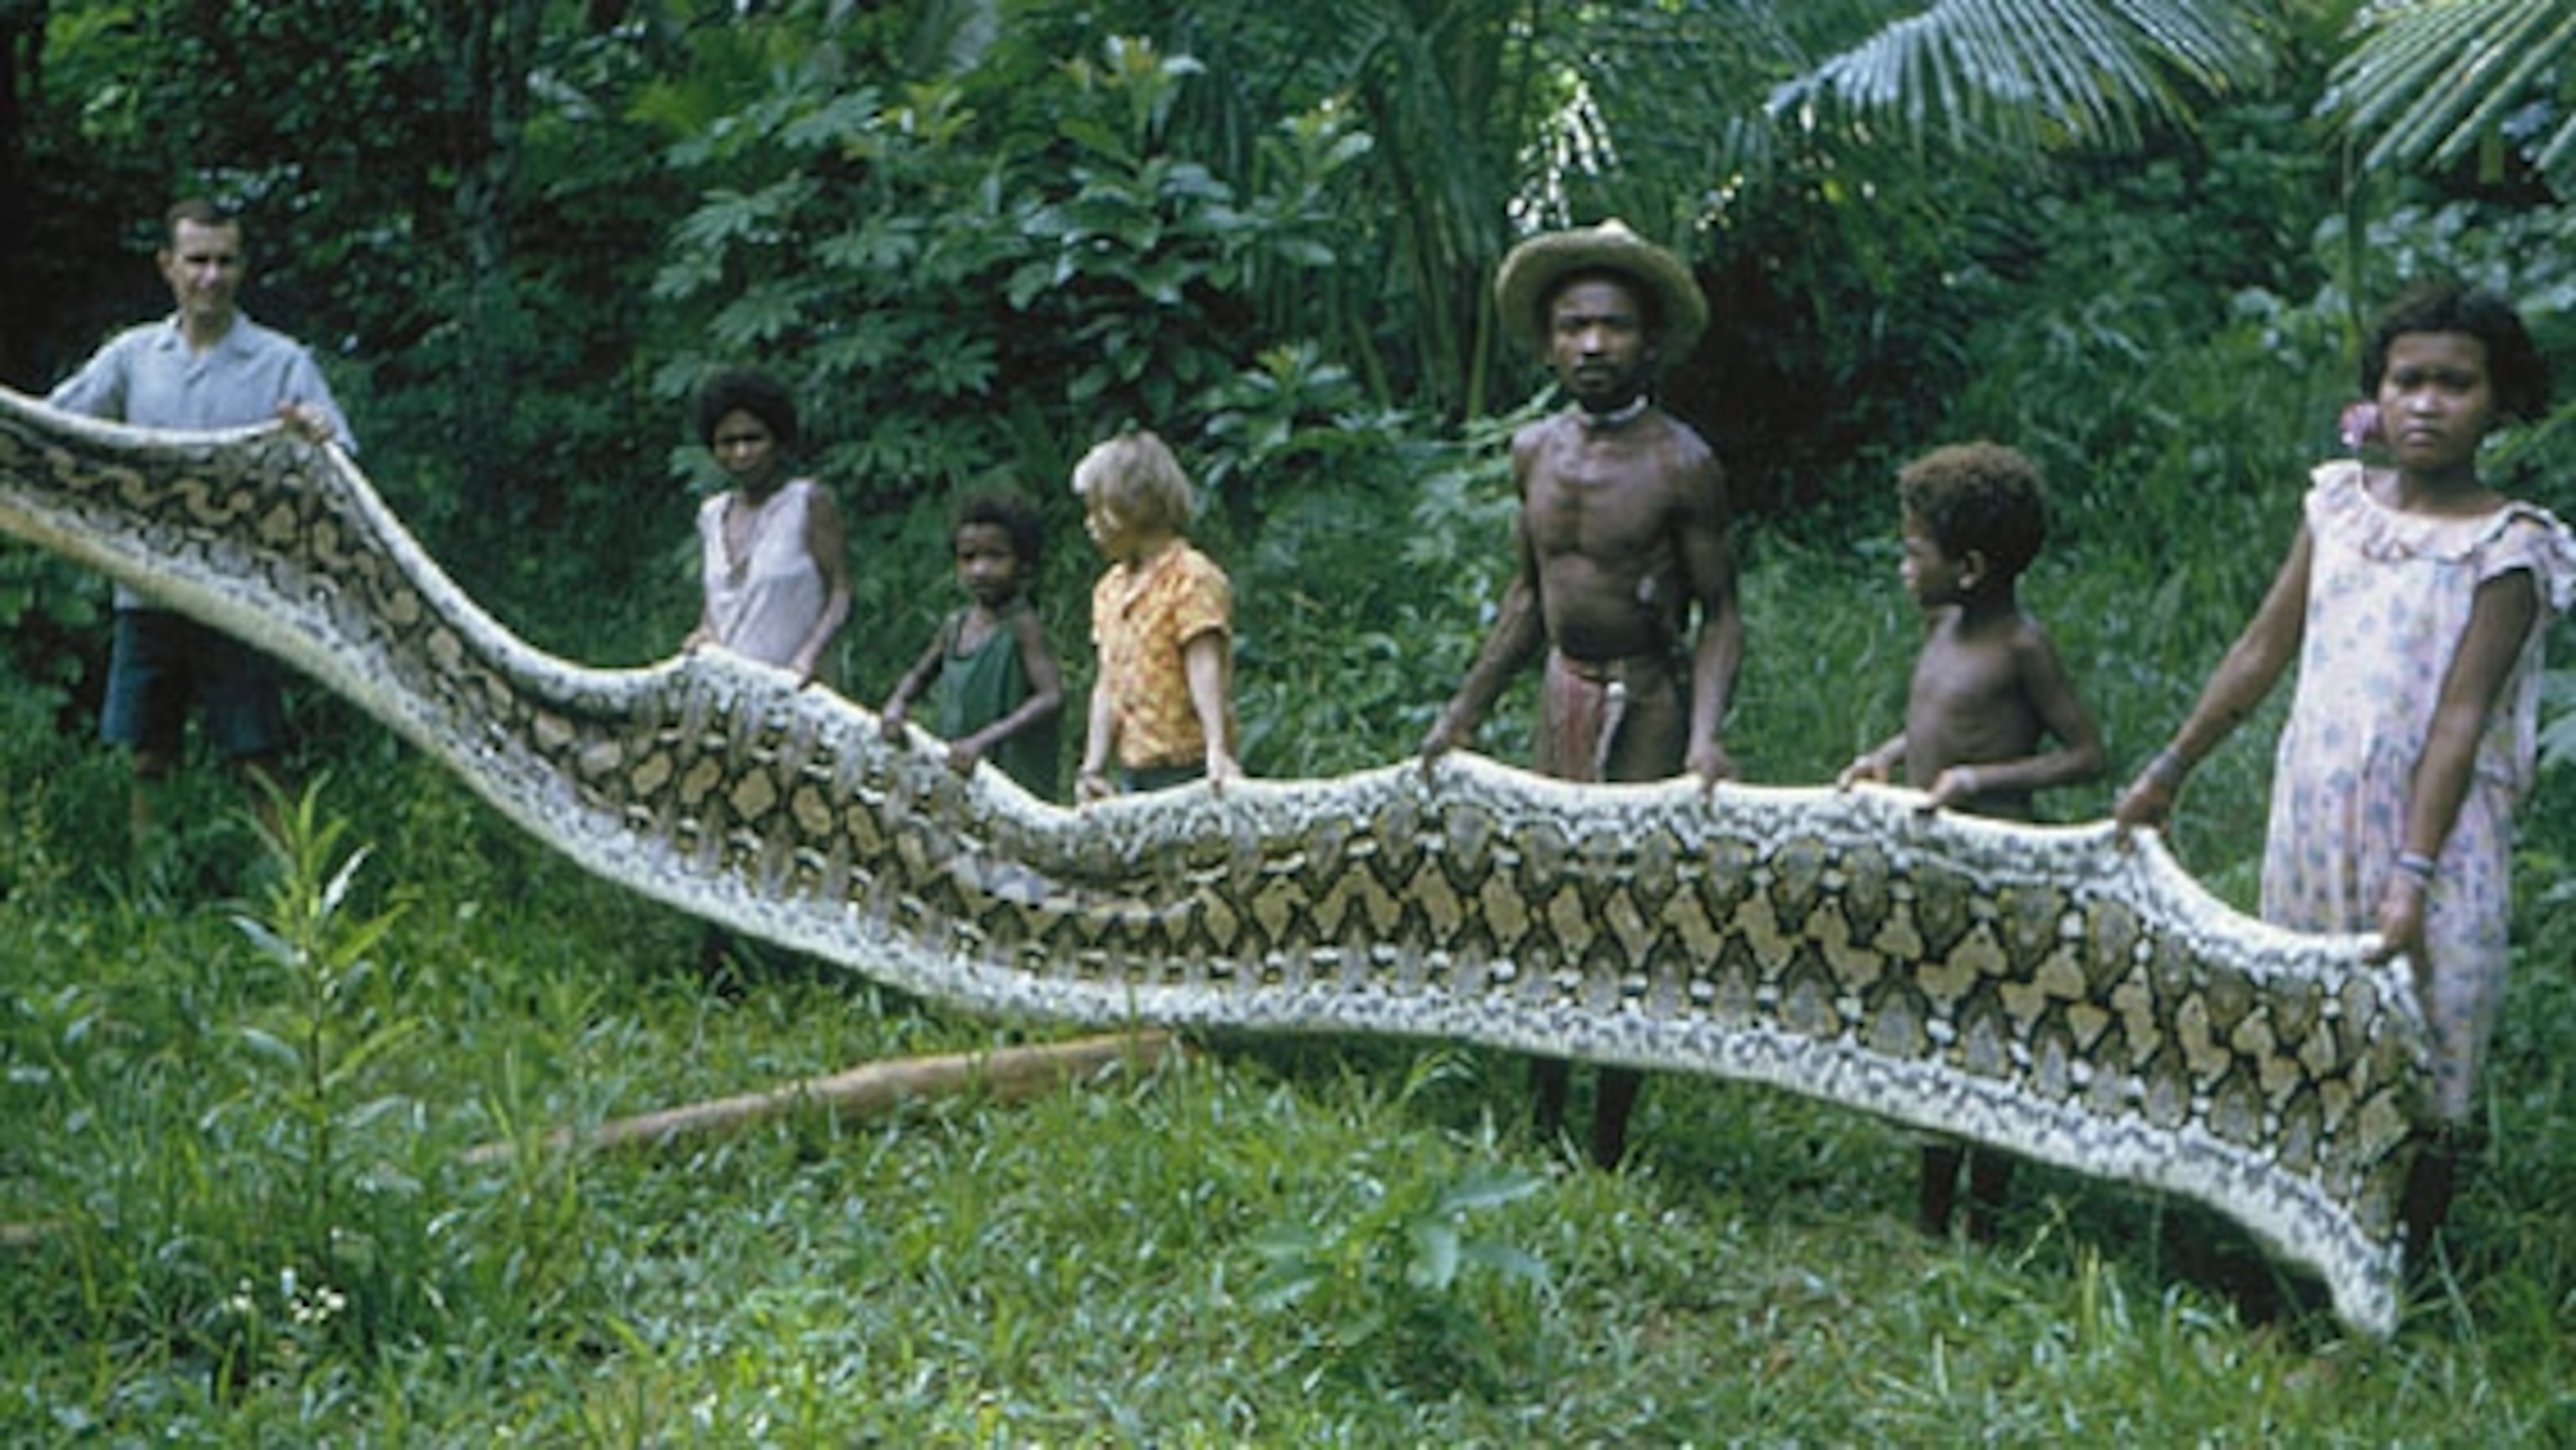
pixel 994 687
pixel 1162 623
pixel 2414 599
pixel 1988 690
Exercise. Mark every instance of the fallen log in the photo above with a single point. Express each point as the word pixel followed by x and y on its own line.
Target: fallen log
pixel 1008 1074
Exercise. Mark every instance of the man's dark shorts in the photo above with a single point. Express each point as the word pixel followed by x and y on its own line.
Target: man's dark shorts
pixel 162 661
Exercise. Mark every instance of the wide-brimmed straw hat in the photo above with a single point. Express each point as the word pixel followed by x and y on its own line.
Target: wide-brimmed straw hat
pixel 1531 271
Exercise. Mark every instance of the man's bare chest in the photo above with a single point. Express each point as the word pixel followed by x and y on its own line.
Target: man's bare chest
pixel 1606 511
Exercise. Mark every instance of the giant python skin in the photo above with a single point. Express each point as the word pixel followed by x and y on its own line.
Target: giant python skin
pixel 2057 992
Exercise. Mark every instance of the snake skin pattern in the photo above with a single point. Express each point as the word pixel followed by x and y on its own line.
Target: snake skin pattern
pixel 2054 991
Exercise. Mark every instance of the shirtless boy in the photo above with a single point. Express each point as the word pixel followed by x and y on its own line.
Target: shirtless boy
pixel 1988 689
pixel 1626 575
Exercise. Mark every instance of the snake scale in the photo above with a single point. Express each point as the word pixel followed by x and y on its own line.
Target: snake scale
pixel 2052 991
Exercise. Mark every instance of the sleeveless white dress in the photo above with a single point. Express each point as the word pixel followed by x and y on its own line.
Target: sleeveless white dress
pixel 763 603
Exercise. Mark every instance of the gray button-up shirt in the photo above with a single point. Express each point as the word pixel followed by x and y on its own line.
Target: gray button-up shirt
pixel 149 377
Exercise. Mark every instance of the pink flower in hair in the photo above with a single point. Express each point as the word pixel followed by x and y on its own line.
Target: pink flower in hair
pixel 2359 425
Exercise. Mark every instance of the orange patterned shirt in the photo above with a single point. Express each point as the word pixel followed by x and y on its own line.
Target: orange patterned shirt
pixel 1139 621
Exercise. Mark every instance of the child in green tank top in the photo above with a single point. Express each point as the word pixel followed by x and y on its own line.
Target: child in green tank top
pixel 995 692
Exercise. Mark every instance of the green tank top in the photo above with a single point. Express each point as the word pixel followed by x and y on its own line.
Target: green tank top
pixel 975 689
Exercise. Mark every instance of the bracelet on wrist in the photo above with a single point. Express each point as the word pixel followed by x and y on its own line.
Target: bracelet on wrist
pixel 2166 769
pixel 2417 865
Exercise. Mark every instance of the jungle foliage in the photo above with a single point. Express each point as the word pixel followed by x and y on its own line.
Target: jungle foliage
pixel 2135 237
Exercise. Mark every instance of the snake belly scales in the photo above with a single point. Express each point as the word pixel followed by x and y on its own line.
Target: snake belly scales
pixel 2051 991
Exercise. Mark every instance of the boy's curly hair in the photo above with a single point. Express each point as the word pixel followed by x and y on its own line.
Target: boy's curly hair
pixel 2515 366
pixel 1981 496
pixel 1012 514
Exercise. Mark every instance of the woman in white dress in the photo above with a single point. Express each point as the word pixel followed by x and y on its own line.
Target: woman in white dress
pixel 774 549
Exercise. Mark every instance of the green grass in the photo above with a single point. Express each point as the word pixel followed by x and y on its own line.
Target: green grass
pixel 1088 1268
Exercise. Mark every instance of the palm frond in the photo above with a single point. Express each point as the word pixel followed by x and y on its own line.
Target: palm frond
pixel 2431 82
pixel 2032 74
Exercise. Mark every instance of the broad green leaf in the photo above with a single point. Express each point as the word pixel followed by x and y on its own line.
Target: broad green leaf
pixel 1434 1265
pixel 269 1048
pixel 1489 1191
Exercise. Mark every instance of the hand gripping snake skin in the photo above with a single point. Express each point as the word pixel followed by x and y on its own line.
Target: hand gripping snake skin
pixel 2052 991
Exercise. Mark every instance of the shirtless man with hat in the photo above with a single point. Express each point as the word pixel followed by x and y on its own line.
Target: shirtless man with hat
pixel 1626 578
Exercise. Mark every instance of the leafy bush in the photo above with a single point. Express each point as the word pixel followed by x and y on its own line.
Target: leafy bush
pixel 947 305
pixel 1389 1294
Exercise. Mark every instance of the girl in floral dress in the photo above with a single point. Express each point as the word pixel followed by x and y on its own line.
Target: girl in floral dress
pixel 2414 599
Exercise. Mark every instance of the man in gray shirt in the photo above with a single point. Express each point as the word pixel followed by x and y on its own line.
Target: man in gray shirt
pixel 206 366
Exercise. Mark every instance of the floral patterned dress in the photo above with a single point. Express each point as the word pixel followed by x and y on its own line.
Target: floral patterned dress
pixel 2389 595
